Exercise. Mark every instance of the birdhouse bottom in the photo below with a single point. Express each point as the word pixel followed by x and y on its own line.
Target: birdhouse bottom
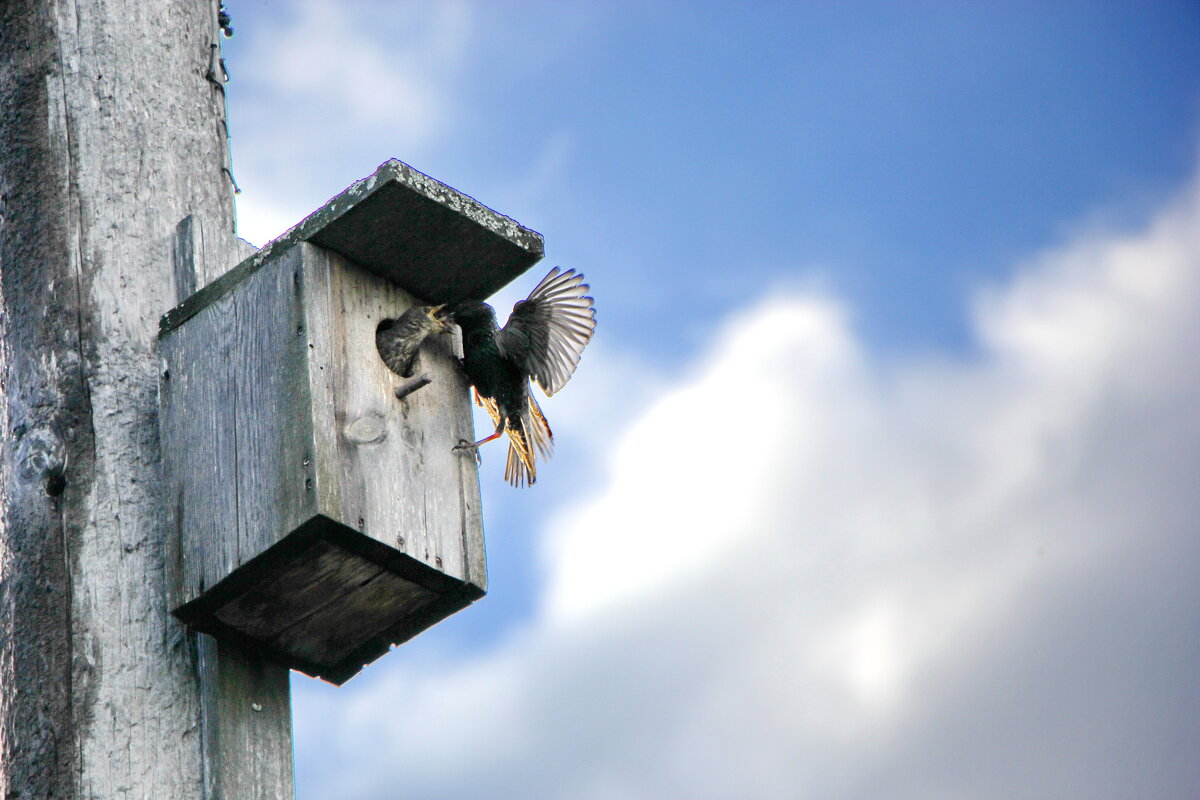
pixel 327 600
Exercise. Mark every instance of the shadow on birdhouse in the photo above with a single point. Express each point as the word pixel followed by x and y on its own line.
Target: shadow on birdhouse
pixel 322 517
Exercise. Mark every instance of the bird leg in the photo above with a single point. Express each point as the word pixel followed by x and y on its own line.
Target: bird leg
pixel 475 445
pixel 464 446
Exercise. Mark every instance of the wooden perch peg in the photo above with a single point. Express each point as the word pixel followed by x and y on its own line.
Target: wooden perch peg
pixel 411 385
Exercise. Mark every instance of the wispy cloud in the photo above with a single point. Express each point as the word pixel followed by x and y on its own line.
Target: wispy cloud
pixel 380 75
pixel 811 574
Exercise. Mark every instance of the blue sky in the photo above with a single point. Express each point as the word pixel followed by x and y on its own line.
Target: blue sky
pixel 874 480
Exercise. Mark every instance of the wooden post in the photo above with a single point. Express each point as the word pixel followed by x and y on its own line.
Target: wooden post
pixel 111 133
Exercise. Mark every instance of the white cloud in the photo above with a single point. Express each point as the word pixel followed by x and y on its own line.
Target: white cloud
pixel 813 575
pixel 350 65
pixel 382 75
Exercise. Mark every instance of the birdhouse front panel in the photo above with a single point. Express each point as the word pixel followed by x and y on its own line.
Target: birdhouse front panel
pixel 385 466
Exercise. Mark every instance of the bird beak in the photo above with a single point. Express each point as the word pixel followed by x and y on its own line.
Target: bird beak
pixel 435 315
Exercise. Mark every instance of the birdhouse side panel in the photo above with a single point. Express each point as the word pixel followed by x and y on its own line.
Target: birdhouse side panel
pixel 199 445
pixel 386 466
pixel 276 480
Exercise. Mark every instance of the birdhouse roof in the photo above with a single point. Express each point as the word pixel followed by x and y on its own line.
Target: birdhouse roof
pixel 432 240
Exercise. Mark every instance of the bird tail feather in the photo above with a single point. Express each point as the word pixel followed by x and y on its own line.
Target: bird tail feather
pixel 533 437
pixel 521 469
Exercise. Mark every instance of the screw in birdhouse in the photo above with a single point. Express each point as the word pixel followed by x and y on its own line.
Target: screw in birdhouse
pixel 256 706
pixel 437 560
pixel 362 523
pixel 308 484
pixel 400 541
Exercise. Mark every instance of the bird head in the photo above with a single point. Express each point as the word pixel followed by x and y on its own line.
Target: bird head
pixel 472 314
pixel 417 321
pixel 440 317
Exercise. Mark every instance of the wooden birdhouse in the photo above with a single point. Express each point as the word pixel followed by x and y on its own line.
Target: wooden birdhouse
pixel 322 519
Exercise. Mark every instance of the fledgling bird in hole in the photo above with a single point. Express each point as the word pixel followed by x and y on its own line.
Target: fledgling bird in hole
pixel 542 339
pixel 399 340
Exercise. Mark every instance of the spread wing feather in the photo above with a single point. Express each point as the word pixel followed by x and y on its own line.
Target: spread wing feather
pixel 546 333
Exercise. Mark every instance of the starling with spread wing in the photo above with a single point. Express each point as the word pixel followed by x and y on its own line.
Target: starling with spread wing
pixel 542 340
pixel 398 340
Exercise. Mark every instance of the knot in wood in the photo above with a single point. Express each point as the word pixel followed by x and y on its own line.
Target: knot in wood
pixel 42 455
pixel 370 428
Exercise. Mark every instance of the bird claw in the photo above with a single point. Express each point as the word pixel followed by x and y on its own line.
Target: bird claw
pixel 464 446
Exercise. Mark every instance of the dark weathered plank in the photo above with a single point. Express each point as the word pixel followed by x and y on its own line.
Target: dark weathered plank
pixel 183 257
pixel 316 578
pixel 44 397
pixel 447 246
pixel 419 233
pixel 198 426
pixel 470 501
pixel 334 630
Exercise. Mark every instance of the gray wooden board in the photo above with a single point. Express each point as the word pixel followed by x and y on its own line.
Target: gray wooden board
pixel 317 586
pixel 199 430
pixel 246 719
pixel 275 491
pixel 321 566
pixel 315 578
pixel 431 240
pixel 387 466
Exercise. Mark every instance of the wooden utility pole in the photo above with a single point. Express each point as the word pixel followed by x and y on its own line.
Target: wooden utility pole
pixel 111 136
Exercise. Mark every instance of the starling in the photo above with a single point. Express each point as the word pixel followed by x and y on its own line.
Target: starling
pixel 542 340
pixel 398 340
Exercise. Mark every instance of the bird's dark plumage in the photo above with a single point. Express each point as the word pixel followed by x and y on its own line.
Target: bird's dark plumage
pixel 543 340
pixel 399 340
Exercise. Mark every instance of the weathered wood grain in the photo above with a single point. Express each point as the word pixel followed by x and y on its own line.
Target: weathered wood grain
pixel 110 134
pixel 392 467
pixel 44 397
pixel 448 247
pixel 333 631
pixel 270 406
pixel 245 699
pixel 311 581
pixel 194 407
